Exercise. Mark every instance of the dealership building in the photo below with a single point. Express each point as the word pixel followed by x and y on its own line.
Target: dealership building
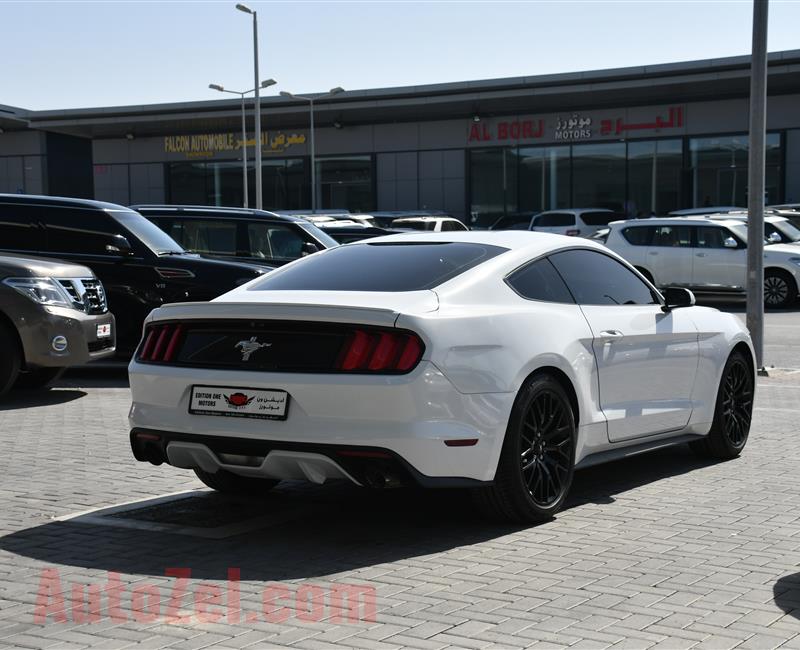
pixel 642 140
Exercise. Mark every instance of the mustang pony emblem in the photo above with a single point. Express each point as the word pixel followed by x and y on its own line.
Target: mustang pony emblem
pixel 238 399
pixel 248 347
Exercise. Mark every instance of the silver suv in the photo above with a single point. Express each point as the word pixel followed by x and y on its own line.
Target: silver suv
pixel 52 315
pixel 706 255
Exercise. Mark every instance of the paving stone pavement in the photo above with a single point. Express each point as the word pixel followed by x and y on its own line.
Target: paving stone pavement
pixel 662 551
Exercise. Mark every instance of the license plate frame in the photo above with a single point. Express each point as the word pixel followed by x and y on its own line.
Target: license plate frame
pixel 217 401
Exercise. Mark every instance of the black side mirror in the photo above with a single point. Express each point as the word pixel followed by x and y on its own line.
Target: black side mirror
pixel 120 246
pixel 675 297
pixel 309 248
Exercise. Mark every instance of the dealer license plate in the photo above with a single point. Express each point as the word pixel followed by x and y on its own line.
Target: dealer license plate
pixel 239 402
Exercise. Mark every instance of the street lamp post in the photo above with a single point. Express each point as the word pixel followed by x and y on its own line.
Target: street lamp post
pixel 264 84
pixel 247 10
pixel 311 100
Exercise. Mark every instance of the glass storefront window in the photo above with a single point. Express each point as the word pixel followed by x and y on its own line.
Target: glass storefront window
pixel 345 182
pixel 719 170
pixel 187 183
pixel 598 176
pixel 654 177
pixel 493 173
pixel 543 178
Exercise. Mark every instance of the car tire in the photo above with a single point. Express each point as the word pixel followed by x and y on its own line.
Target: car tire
pixel 733 412
pixel 230 483
pixel 39 378
pixel 780 289
pixel 11 357
pixel 537 461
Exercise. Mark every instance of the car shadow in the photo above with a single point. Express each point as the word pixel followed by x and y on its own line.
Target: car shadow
pixel 332 529
pixel 25 399
pixel 786 594
pixel 96 376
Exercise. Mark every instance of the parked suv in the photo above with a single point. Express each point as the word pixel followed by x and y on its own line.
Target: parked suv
pixel 576 222
pixel 52 315
pixel 140 266
pixel 429 224
pixel 706 255
pixel 238 234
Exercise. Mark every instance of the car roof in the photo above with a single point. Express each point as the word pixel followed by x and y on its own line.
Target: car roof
pixel 575 210
pixel 425 218
pixel 524 240
pixel 212 211
pixel 711 209
pixel 61 201
pixel 674 221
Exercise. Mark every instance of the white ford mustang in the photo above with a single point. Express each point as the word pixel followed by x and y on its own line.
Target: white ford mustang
pixel 500 361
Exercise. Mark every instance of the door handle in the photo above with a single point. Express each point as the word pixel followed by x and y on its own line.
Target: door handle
pixel 700 254
pixel 652 252
pixel 611 334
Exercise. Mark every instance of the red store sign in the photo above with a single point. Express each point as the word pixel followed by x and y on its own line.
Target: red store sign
pixel 568 129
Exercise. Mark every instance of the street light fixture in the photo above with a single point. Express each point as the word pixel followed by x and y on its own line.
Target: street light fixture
pixel 247 10
pixel 264 84
pixel 311 100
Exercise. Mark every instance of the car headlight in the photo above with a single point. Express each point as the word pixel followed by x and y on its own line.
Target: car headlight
pixel 44 291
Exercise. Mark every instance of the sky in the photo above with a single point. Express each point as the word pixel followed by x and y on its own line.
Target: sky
pixel 62 54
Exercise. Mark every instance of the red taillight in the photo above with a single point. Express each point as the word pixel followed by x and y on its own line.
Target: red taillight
pixel 161 343
pixel 380 351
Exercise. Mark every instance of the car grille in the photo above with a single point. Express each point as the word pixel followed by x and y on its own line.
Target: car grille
pixel 281 346
pixel 87 294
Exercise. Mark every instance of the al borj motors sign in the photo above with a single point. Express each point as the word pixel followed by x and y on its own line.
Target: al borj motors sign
pixel 577 127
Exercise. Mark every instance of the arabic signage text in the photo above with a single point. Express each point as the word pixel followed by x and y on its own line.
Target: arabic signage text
pixel 207 144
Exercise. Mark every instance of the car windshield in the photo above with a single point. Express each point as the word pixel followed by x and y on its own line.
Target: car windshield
pixel 788 230
pixel 740 230
pixel 148 233
pixel 380 266
pixel 318 234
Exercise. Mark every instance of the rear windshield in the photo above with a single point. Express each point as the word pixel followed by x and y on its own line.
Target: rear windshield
pixel 389 266
pixel 599 218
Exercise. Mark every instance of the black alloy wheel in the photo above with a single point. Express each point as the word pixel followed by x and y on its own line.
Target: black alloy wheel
pixel 545 448
pixel 734 410
pixel 779 289
pixel 737 402
pixel 536 465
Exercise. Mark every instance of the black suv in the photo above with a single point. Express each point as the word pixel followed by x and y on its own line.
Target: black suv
pixel 139 265
pixel 242 234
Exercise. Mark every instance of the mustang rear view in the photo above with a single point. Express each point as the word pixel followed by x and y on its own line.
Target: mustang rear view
pixel 498 361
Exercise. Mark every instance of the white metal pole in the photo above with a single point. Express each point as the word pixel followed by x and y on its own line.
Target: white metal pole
pixel 244 154
pixel 755 199
pixel 313 161
pixel 259 203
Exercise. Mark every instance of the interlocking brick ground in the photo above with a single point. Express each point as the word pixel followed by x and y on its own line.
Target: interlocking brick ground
pixel 661 551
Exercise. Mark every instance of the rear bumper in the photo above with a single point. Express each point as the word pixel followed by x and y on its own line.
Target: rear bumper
pixel 411 417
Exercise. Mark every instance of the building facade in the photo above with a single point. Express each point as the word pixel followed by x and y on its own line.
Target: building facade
pixel 642 141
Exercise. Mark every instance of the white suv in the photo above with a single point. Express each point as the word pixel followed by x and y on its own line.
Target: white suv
pixel 430 224
pixel 576 222
pixel 704 254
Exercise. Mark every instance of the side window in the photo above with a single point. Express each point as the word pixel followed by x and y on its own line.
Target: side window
pixel 214 236
pixel 639 235
pixel 19 228
pixel 85 232
pixel 452 226
pixel 274 241
pixel 672 236
pixel 711 237
pixel 555 219
pixel 540 281
pixel 599 218
pixel 597 279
